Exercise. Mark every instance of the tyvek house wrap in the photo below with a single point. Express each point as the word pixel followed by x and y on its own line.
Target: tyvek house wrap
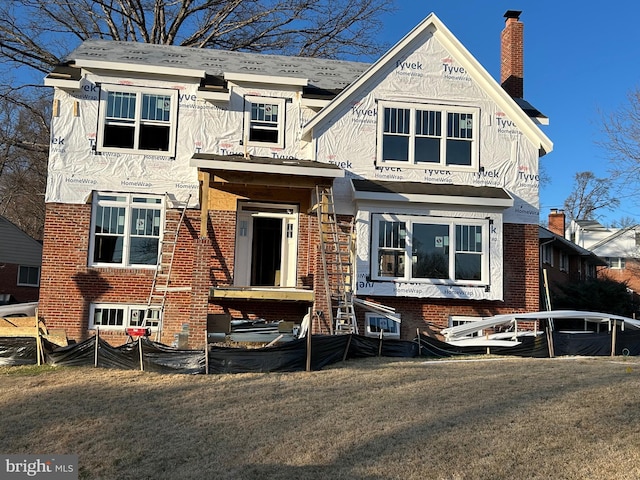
pixel 426 73
pixel 76 168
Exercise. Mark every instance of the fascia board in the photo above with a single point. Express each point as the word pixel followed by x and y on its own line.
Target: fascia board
pixel 369 73
pixel 263 168
pixel 489 85
pixel 268 79
pixel 138 68
pixel 214 96
pixel 314 102
pixel 435 199
pixel 61 83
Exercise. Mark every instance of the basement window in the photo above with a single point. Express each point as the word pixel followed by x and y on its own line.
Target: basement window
pixel 375 324
pixel 137 120
pixel 113 316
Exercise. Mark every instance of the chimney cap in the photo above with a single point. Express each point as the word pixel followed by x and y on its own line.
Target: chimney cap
pixel 513 14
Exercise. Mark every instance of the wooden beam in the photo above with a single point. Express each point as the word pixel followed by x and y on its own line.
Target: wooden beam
pixel 265 294
pixel 204 203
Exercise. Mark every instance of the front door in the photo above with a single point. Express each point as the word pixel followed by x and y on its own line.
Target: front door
pixel 266 245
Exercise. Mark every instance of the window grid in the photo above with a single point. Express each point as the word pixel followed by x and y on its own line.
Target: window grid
pixel 126 230
pixel 111 316
pixel 430 256
pixel 416 135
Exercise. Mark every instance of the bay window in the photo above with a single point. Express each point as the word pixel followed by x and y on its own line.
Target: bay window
pixel 433 135
pixel 437 249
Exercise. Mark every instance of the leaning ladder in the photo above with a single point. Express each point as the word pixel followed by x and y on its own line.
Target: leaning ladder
pixel 154 313
pixel 336 263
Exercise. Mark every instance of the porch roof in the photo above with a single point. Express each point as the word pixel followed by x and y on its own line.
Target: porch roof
pixel 431 193
pixel 255 164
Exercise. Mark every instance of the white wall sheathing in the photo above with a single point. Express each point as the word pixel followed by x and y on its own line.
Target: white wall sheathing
pixel 75 169
pixel 427 73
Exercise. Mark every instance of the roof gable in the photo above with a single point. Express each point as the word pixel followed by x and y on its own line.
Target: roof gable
pixel 432 26
pixel 17 247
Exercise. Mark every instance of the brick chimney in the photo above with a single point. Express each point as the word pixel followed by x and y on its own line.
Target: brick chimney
pixel 557 222
pixel 512 55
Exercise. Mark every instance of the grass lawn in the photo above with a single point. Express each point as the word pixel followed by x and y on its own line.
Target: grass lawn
pixel 492 418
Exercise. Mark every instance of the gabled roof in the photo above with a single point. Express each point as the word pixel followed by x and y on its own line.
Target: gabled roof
pixel 17 247
pixel 613 236
pixel 471 66
pixel 547 236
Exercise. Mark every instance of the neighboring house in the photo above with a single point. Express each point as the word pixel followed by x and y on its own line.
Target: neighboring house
pixel 620 247
pixel 20 261
pixel 562 262
pixel 431 164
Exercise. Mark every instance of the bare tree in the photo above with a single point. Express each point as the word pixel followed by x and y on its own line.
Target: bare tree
pixel 622 143
pixel 24 142
pixel 35 35
pixel 589 194
pixel 39 33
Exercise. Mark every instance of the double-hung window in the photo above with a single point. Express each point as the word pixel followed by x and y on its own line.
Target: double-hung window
pixel 28 276
pixel 265 121
pixel 126 229
pixel 137 120
pixel 113 316
pixel 428 135
pixel 437 250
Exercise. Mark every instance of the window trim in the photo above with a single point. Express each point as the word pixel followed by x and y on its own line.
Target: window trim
pixel 616 263
pixel 563 262
pixel 547 254
pixel 127 308
pixel 105 89
pixel 281 103
pixel 444 109
pixel 457 320
pixel 376 334
pixel 451 222
pixel 22 284
pixel 128 205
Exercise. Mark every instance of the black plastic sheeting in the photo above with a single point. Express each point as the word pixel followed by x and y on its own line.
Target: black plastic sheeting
pixel 292 356
pixel 18 351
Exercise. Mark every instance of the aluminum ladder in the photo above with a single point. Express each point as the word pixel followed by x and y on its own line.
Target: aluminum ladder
pixel 336 252
pixel 161 285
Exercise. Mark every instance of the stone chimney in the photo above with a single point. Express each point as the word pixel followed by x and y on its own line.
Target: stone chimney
pixel 512 55
pixel 557 222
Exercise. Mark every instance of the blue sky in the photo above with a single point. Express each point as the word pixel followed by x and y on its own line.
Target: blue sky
pixel 580 59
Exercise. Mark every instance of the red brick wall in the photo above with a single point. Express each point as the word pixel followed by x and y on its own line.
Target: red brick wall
pixel 68 286
pixel 8 284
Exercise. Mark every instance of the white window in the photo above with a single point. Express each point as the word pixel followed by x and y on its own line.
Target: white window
pixel 137 120
pixel 547 254
pixel 115 316
pixel 428 135
pixel 265 121
pixel 375 323
pixel 125 229
pixel 457 320
pixel 616 263
pixel 28 276
pixel 436 250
